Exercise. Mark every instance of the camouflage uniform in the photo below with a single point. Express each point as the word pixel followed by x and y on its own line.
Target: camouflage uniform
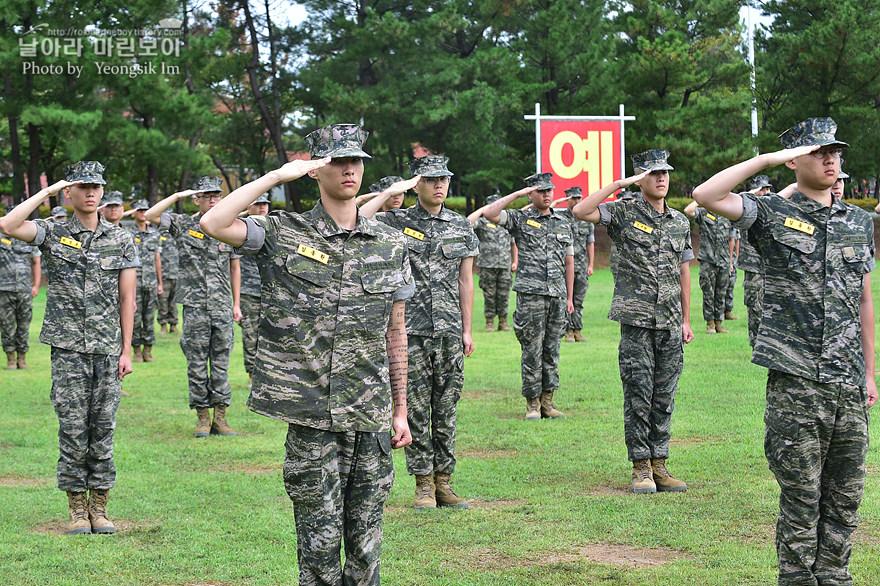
pixel 539 319
pixel 731 282
pixel 249 301
pixel 753 284
pixel 714 257
pixel 323 369
pixel 817 411
pixel 437 246
pixel 494 262
pixel 169 256
pixel 147 243
pixel 82 326
pixel 204 289
pixel 582 234
pixel 651 247
pixel 16 305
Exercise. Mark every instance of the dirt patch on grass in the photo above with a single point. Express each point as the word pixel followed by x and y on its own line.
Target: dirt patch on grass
pixel 693 441
pixel 487 454
pixel 61 527
pixel 488 559
pixel 481 394
pixel 15 480
pixel 499 504
pixel 609 490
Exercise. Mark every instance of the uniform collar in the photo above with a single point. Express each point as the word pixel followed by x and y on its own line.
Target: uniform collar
pixel 76 227
pixel 641 201
pixel 421 213
pixel 327 226
pixel 811 205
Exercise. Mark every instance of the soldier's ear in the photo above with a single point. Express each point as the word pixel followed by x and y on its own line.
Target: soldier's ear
pixel 791 164
pixel 313 173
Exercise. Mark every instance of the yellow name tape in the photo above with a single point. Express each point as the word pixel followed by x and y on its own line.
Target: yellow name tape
pixel 163 238
pixel 195 234
pixel 414 233
pixel 643 227
pixel 533 223
pixel 136 239
pixel 710 216
pixel 799 226
pixel 5 241
pixel 71 242
pixel 491 225
pixel 309 252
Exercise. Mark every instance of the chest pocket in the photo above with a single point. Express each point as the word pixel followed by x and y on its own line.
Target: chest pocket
pixel 379 287
pixel 69 258
pixel 638 237
pixel 454 249
pixel 415 245
pixel 188 241
pixel 308 279
pixel 677 241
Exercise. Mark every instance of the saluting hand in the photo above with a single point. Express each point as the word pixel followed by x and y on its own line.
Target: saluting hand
pixel 627 181
pixel 298 168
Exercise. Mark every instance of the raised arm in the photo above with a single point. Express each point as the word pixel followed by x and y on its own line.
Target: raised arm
pixel 16 223
pixel 370 208
pixel 691 209
pixel 588 208
pixel 493 211
pixel 154 214
pixel 716 193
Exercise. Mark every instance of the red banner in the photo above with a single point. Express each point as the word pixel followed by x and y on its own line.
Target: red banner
pixel 582 153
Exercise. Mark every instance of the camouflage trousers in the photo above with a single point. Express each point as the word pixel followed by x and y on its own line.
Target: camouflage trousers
pixel 207 337
pixel 338 482
pixel 651 362
pixel 581 284
pixel 495 284
pixel 713 282
pixel 167 308
pixel 539 322
pixel 434 382
pixel 144 332
pixel 816 441
pixel 249 322
pixel 16 312
pixel 85 395
pixel 753 298
pixel 728 298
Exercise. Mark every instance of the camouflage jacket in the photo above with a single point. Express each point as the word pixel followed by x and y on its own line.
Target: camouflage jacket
pixel 815 259
pixel 203 280
pixel 169 255
pixel 494 245
pixel 327 297
pixel 82 302
pixel 543 241
pixel 437 245
pixel 651 247
pixel 15 265
pixel 147 244
pixel 582 233
pixel 715 235
pixel 749 260
pixel 250 277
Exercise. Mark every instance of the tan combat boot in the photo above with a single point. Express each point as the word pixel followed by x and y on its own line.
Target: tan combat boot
pixel 533 408
pixel 163 329
pixel 22 362
pixel 203 427
pixel 569 335
pixel 172 329
pixel 502 324
pixel 77 502
pixel 219 426
pixel 444 494
pixel 710 327
pixel 548 411
pixel 147 354
pixel 578 337
pixel 665 481
pixel 642 478
pixel 98 511
pixel 425 493
pixel 490 324
pixel 729 315
pixel 137 354
pixel 719 328
pixel 10 361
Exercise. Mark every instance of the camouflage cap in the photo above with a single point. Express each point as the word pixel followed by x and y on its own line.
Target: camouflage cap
pixel 540 180
pixel 811 132
pixel 112 198
pixel 384 183
pixel 338 141
pixel 652 160
pixel 626 196
pixel 85 171
pixel 759 182
pixel 140 204
pixel 430 166
pixel 843 175
pixel 492 198
pixel 208 185
pixel 58 211
pixel 574 192
pixel 262 199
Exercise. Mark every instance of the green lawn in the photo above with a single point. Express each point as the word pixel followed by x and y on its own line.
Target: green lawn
pixel 550 500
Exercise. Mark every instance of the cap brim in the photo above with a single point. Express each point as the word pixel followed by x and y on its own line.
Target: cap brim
pixel 438 174
pixel 344 153
pixel 659 167
pixel 96 179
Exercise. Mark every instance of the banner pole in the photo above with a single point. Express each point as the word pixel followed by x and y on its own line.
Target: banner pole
pixel 537 137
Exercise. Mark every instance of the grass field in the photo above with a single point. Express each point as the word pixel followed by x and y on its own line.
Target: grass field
pixel 549 499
